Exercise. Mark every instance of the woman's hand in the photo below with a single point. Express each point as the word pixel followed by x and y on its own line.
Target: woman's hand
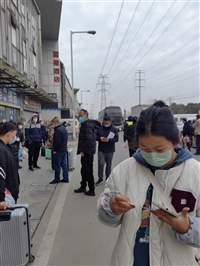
pixel 120 204
pixel 181 224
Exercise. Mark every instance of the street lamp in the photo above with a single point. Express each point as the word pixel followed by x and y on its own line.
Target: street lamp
pixel 82 96
pixel 72 74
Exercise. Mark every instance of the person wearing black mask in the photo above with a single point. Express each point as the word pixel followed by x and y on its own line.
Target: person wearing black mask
pixel 107 135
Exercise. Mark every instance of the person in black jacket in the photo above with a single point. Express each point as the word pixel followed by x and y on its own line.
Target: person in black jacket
pixel 44 132
pixel 187 133
pixel 87 149
pixel 60 139
pixel 8 167
pixel 33 135
pixel 129 136
pixel 106 147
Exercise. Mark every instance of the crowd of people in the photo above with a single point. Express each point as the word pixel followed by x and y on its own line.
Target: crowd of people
pixel 158 171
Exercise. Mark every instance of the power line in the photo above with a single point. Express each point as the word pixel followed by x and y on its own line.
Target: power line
pixel 175 62
pixel 113 36
pixel 124 36
pixel 133 38
pixel 129 91
pixel 146 41
pixel 168 26
pixel 171 45
pixel 177 15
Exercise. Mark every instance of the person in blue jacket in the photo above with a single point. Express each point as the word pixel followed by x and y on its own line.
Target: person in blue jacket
pixel 59 151
pixel 106 147
pixel 33 135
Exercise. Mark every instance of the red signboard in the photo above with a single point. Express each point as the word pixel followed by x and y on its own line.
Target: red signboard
pixel 56 70
pixel 55 54
pixel 56 79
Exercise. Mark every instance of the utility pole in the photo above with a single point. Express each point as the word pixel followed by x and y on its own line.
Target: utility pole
pixel 140 81
pixel 103 90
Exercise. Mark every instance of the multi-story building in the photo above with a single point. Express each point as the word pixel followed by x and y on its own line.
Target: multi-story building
pixel 55 81
pixel 20 60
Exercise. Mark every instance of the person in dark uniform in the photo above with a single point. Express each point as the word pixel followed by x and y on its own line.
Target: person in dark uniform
pixel 8 166
pixel 87 149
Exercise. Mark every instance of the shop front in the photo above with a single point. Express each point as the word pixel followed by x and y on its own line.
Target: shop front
pixel 10 104
pixel 30 106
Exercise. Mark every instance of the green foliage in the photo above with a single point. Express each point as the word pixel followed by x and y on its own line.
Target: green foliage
pixel 190 108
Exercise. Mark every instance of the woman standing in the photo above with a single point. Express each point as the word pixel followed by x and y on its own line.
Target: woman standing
pixel 33 135
pixel 148 235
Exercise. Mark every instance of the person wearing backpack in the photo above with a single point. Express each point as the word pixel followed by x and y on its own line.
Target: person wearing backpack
pixel 186 133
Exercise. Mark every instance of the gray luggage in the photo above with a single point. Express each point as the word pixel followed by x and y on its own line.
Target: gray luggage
pixel 15 244
pixel 70 159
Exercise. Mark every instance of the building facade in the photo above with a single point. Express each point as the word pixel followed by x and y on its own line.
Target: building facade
pixel 21 90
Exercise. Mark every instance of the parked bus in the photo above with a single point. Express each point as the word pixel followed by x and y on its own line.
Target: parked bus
pixel 115 113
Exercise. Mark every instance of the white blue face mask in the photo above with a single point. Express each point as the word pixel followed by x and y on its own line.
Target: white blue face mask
pixel 157 159
pixel 81 119
pixel 12 140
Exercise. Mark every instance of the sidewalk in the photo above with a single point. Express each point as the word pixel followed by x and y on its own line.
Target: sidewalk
pixel 35 189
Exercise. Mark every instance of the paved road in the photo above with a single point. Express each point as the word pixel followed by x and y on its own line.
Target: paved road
pixel 69 232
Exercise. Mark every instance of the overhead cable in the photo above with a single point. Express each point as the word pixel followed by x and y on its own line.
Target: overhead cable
pixel 124 36
pixel 133 39
pixel 112 37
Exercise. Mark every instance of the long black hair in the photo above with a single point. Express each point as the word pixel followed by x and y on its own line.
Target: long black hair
pixel 158 120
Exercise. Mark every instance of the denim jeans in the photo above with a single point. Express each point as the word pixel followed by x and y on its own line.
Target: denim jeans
pixel 104 158
pixel 198 143
pixel 60 161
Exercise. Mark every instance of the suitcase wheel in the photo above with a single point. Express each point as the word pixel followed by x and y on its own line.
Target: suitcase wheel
pixel 31 259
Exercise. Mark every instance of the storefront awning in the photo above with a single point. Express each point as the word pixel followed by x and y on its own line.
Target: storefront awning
pixel 11 78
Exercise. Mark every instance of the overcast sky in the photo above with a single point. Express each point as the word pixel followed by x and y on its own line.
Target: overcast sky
pixel 159 37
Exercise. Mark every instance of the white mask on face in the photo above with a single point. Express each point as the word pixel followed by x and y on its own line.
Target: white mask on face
pixel 35 120
pixel 20 127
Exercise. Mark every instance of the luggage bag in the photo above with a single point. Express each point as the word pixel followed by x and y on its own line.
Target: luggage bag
pixel 15 244
pixel 70 159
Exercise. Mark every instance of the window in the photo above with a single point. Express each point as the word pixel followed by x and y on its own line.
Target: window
pixel 14 36
pixel 23 6
pixel 15 2
pixel 33 48
pixel 33 15
pixel 13 20
pixel 3 3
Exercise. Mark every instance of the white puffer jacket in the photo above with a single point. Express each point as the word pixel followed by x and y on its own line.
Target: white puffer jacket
pixel 130 179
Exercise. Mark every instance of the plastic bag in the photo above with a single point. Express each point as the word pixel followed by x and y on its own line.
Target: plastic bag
pixel 8 198
pixel 24 153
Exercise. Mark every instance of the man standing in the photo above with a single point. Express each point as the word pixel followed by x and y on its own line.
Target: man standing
pixel 33 135
pixel 107 135
pixel 196 127
pixel 60 139
pixel 8 167
pixel 87 149
pixel 186 132
pixel 129 135
pixel 44 132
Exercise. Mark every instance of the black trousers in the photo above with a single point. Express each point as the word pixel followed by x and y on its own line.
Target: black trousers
pixel 52 160
pixel 87 171
pixel 33 153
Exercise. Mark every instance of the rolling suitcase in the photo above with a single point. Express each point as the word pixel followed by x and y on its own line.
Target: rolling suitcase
pixel 47 153
pixel 70 159
pixel 15 244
